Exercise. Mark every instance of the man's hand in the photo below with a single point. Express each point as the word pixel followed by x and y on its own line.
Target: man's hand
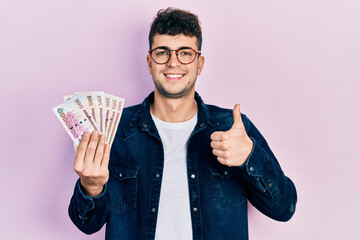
pixel 232 147
pixel 91 163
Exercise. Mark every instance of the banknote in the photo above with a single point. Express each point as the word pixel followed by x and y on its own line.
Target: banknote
pixel 86 99
pixel 80 103
pixel 116 105
pixel 99 106
pixel 107 111
pixel 75 121
pixel 119 109
pixel 89 111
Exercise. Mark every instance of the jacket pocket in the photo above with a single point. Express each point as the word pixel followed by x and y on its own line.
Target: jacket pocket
pixel 122 186
pixel 227 187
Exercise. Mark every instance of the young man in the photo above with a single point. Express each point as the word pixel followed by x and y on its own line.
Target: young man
pixel 178 168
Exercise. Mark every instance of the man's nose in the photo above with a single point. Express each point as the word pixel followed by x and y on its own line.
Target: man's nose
pixel 173 61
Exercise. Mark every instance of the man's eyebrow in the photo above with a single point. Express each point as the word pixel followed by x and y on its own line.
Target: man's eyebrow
pixel 184 47
pixel 163 47
pixel 167 48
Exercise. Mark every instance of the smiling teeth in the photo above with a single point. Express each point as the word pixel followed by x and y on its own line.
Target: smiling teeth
pixel 174 75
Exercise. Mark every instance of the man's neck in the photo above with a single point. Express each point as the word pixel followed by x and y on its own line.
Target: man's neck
pixel 173 110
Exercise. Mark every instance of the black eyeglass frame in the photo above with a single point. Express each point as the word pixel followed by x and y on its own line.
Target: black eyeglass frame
pixel 197 53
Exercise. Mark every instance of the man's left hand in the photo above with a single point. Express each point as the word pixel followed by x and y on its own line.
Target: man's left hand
pixel 232 147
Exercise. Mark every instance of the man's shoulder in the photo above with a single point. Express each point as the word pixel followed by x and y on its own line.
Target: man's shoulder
pixel 224 116
pixel 220 117
pixel 215 110
pixel 128 113
pixel 128 121
pixel 131 110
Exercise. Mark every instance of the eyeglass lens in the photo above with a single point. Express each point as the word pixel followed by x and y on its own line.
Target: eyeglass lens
pixel 184 56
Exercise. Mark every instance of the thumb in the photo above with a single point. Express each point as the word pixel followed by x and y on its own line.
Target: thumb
pixel 237 117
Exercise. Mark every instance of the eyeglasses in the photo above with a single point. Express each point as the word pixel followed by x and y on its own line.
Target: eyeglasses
pixel 185 55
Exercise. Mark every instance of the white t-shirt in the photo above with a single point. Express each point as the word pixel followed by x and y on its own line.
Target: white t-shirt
pixel 174 219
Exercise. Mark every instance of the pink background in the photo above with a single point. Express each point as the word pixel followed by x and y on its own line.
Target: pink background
pixel 294 66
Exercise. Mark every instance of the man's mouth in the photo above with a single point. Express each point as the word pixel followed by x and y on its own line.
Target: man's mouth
pixel 173 76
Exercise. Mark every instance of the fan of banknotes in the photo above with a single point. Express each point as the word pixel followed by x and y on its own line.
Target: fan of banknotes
pixel 89 111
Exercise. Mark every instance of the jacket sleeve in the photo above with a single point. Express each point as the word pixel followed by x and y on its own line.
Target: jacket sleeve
pixel 269 190
pixel 89 214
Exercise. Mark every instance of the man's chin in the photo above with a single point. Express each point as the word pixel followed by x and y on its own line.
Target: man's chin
pixel 174 95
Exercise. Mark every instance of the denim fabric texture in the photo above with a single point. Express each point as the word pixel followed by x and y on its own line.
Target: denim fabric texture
pixel 218 194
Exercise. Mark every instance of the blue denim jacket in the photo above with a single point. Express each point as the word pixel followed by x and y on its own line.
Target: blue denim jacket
pixel 218 194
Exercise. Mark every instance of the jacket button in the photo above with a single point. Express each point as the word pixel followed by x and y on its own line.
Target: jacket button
pixel 157 175
pixel 120 175
pixel 195 209
pixel 270 185
pixel 226 172
pixel 192 176
pixel 145 125
pixel 251 169
pixel 202 124
pixel 153 210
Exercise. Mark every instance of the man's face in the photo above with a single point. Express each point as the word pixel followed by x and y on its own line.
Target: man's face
pixel 173 79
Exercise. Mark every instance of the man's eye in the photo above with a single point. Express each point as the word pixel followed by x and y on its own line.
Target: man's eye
pixel 186 53
pixel 162 53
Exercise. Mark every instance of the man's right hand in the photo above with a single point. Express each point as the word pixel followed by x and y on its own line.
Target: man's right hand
pixel 91 163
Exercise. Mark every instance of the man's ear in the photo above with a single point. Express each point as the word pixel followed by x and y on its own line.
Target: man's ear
pixel 148 59
pixel 200 65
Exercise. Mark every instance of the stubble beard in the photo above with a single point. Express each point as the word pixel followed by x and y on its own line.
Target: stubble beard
pixel 181 94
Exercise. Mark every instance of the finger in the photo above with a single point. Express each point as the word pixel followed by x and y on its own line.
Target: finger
pixel 219 145
pixel 221 160
pixel 219 136
pixel 91 148
pixel 224 161
pixel 106 157
pixel 80 154
pixel 99 151
pixel 220 153
pixel 238 123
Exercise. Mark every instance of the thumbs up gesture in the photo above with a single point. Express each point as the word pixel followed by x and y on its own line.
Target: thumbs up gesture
pixel 232 147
